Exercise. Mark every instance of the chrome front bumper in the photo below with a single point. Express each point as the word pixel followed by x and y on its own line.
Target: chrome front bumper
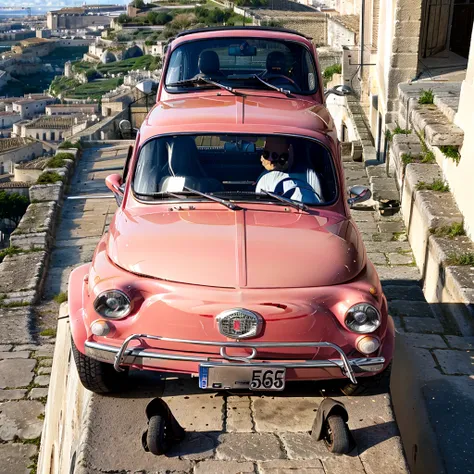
pixel 138 356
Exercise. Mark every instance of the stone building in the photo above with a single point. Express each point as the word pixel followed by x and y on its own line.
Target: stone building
pixel 50 128
pixel 75 18
pixel 7 119
pixel 36 47
pixel 14 150
pixel 69 109
pixel 416 45
pixel 28 108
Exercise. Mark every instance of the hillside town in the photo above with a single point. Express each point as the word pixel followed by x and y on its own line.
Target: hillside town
pixel 186 106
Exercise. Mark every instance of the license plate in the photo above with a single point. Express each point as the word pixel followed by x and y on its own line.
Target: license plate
pixel 251 378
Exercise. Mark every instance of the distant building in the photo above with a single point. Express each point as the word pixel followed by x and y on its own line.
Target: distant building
pixel 14 150
pixel 75 18
pixel 7 119
pixel 28 108
pixel 68 109
pixel 35 47
pixel 43 33
pixel 50 128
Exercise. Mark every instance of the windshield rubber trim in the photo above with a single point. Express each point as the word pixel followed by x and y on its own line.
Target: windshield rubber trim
pixel 316 89
pixel 157 137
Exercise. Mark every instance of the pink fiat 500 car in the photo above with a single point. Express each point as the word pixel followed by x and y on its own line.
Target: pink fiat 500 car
pixel 232 255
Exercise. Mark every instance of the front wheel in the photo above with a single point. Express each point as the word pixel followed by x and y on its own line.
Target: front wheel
pixel 96 376
pixel 157 436
pixel 337 437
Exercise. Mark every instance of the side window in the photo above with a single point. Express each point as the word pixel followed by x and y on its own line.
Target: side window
pixel 175 67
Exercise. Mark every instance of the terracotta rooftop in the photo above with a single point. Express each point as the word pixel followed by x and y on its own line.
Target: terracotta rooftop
pixel 351 22
pixel 7 144
pixel 3 113
pixel 52 122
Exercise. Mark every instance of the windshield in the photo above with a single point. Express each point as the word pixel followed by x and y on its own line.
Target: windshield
pixel 236 61
pixel 235 168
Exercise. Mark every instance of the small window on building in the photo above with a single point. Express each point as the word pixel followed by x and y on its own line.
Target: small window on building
pixel 44 135
pixel 53 136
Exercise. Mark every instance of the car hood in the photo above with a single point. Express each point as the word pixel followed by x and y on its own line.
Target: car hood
pixel 247 248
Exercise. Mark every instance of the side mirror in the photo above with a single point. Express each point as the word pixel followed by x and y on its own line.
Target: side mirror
pixel 114 183
pixel 341 90
pixel 359 194
pixel 147 86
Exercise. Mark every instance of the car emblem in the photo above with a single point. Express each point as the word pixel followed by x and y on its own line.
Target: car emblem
pixel 239 323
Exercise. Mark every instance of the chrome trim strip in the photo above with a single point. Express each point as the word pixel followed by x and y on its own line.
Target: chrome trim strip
pixel 123 355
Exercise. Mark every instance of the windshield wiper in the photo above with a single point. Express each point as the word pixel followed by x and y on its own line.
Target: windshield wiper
pixel 291 202
pixel 178 195
pixel 225 203
pixel 265 83
pixel 200 80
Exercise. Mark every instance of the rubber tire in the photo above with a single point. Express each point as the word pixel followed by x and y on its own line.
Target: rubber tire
pixel 339 441
pixel 98 377
pixel 156 438
pixel 365 385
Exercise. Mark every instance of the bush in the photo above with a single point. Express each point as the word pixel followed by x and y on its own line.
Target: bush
pixel 12 206
pixel 68 144
pixel 331 70
pixel 58 160
pixel 123 19
pixel 426 97
pixel 8 251
pixel 138 3
pixel 451 151
pixel 49 177
pixel 155 18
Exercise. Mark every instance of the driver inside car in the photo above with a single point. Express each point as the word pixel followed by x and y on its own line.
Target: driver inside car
pixel 281 177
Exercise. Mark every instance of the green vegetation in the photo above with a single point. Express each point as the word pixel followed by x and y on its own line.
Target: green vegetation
pixel 67 144
pixel 81 66
pixel 329 72
pixel 49 177
pixel 8 251
pixel 273 23
pixel 449 231
pixel 60 297
pixel 251 3
pixel 146 62
pixel 407 158
pixel 48 333
pixel 57 161
pixel 96 89
pixel 437 185
pixel 426 97
pixel 397 130
pixel 158 18
pixel 12 206
pixel 451 151
pixel 62 84
pixel 138 4
pixel 465 258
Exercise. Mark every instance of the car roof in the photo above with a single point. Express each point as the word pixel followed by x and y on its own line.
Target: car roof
pixel 219 112
pixel 240 32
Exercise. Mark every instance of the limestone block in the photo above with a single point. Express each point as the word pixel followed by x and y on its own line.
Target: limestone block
pixel 36 226
pixel 46 192
pixel 23 272
pixel 20 419
pixel 16 458
pixel 16 372
pixel 17 326
pixel 248 447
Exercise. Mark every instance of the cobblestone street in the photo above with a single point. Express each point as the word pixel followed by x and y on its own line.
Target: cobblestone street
pixel 225 432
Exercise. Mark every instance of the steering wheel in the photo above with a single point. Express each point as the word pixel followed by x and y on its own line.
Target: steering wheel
pixel 299 183
pixel 269 78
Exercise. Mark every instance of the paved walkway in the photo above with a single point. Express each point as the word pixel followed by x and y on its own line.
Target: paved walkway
pixel 226 433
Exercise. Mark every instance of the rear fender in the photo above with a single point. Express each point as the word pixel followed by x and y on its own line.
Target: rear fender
pixel 77 292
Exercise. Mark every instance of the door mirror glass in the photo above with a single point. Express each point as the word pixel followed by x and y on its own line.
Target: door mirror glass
pixel 359 194
pixel 147 86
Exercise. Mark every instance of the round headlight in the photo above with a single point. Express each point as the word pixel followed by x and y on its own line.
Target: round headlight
pixel 363 318
pixel 113 304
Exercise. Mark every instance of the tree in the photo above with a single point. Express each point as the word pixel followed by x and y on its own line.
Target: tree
pixel 138 4
pixel 12 206
pixel 124 18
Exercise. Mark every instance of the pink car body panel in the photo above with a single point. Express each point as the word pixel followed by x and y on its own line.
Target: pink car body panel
pixel 181 267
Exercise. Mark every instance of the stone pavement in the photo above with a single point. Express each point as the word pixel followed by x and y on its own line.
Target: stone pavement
pixel 226 432
pixel 27 332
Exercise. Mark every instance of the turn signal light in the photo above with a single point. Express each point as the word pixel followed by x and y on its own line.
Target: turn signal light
pixel 368 345
pixel 100 328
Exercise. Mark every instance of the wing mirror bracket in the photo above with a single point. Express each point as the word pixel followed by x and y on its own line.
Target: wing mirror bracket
pixel 341 90
pixel 115 183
